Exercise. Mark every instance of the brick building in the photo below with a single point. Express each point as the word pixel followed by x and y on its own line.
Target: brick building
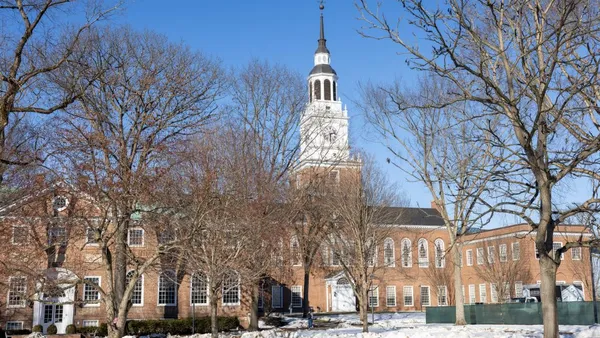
pixel 50 260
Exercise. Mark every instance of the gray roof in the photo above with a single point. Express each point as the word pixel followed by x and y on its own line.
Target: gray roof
pixel 323 68
pixel 409 216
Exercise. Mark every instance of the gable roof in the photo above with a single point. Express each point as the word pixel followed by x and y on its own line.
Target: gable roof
pixel 409 216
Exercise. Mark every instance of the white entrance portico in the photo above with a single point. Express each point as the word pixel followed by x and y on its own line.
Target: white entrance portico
pixel 339 291
pixel 54 301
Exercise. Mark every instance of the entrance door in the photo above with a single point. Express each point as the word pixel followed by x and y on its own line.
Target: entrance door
pixel 57 309
pixel 343 299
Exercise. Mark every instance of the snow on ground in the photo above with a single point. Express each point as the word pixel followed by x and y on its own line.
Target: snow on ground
pixel 410 325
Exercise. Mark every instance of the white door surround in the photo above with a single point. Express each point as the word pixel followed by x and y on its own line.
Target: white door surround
pixel 55 304
pixel 341 294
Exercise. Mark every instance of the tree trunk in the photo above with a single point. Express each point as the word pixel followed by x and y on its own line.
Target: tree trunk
pixel 548 296
pixel 305 303
pixel 120 265
pixel 458 296
pixel 253 325
pixel 364 309
pixel 214 327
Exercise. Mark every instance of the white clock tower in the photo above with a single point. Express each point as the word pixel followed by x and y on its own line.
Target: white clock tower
pixel 324 123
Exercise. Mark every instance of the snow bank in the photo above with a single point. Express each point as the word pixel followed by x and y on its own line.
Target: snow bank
pixel 591 332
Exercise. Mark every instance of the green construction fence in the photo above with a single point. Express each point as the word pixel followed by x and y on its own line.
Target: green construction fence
pixel 569 313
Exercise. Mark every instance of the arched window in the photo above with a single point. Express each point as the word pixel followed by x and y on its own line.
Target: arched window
pixel 167 292
pixel 371 247
pixel 199 289
pixel 231 289
pixel 406 253
pixel 440 252
pixel 327 89
pixel 423 251
pixel 334 91
pixel 388 252
pixel 317 89
pixel 137 296
pixel 295 251
pixel 310 91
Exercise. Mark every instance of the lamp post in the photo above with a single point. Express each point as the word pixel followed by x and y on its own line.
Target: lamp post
pixel 371 276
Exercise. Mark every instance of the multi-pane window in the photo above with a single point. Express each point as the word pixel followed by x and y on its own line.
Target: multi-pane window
pixel 576 253
pixel 167 290
pixel 48 313
pixel 491 254
pixel 390 295
pixel 503 253
pixel 296 296
pixel 57 236
pixel 137 296
pixel 442 295
pixel 58 313
pixel 373 297
pixel 166 236
pixel 91 294
pixel 135 237
pixel 506 291
pixel 494 292
pixel 555 247
pixel 406 253
pixel 425 296
pixel 516 251
pixel 14 326
pixel 407 293
pixel 440 262
pixel 90 323
pixel 199 289
pixel 423 253
pixel 231 289
pixel 90 235
pixel 295 248
pixel 469 257
pixel 482 293
pixel 388 252
pixel 371 253
pixel 20 235
pixel 479 256
pixel 518 289
pixel 472 296
pixel 276 296
pixel 17 288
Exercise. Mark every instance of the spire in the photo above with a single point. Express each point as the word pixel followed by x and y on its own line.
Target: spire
pixel 322 42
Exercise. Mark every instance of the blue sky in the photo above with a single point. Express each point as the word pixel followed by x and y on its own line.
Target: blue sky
pixel 285 32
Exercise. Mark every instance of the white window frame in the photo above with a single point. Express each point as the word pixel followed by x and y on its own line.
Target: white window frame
pixel 192 291
pixel 295 251
pixel 19 322
pixel 480 256
pixel 503 253
pixel 409 253
pixel 580 283
pixel 174 276
pixel 491 251
pixel 440 262
pixel 129 237
pixel 23 294
pixel 296 296
pixel 87 322
pixel 579 249
pixel 405 294
pixel 493 292
pixel 279 290
pixel 483 293
pixel 373 294
pixel 390 290
pixel 445 294
pixel 141 280
pixel 428 295
pixel 518 289
pixel 13 234
pixel 518 251
pixel 239 293
pixel 86 286
pixel 562 255
pixel 472 294
pixel 389 261
pixel 372 254
pixel 423 261
pixel 470 257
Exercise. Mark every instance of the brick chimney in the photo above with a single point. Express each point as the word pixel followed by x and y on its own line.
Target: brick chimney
pixel 434 206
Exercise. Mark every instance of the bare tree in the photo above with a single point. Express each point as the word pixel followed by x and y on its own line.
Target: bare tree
pixel 360 205
pixel 533 65
pixel 434 146
pixel 114 139
pixel 500 270
pixel 36 47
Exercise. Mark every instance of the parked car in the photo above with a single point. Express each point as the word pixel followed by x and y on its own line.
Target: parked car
pixel 524 300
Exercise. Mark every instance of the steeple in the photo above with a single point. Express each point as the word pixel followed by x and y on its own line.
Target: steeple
pixel 322 42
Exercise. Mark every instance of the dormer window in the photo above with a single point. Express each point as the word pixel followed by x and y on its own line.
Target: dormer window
pixel 60 203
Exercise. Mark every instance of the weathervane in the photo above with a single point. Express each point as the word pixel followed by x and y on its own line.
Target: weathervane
pixel 322 5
